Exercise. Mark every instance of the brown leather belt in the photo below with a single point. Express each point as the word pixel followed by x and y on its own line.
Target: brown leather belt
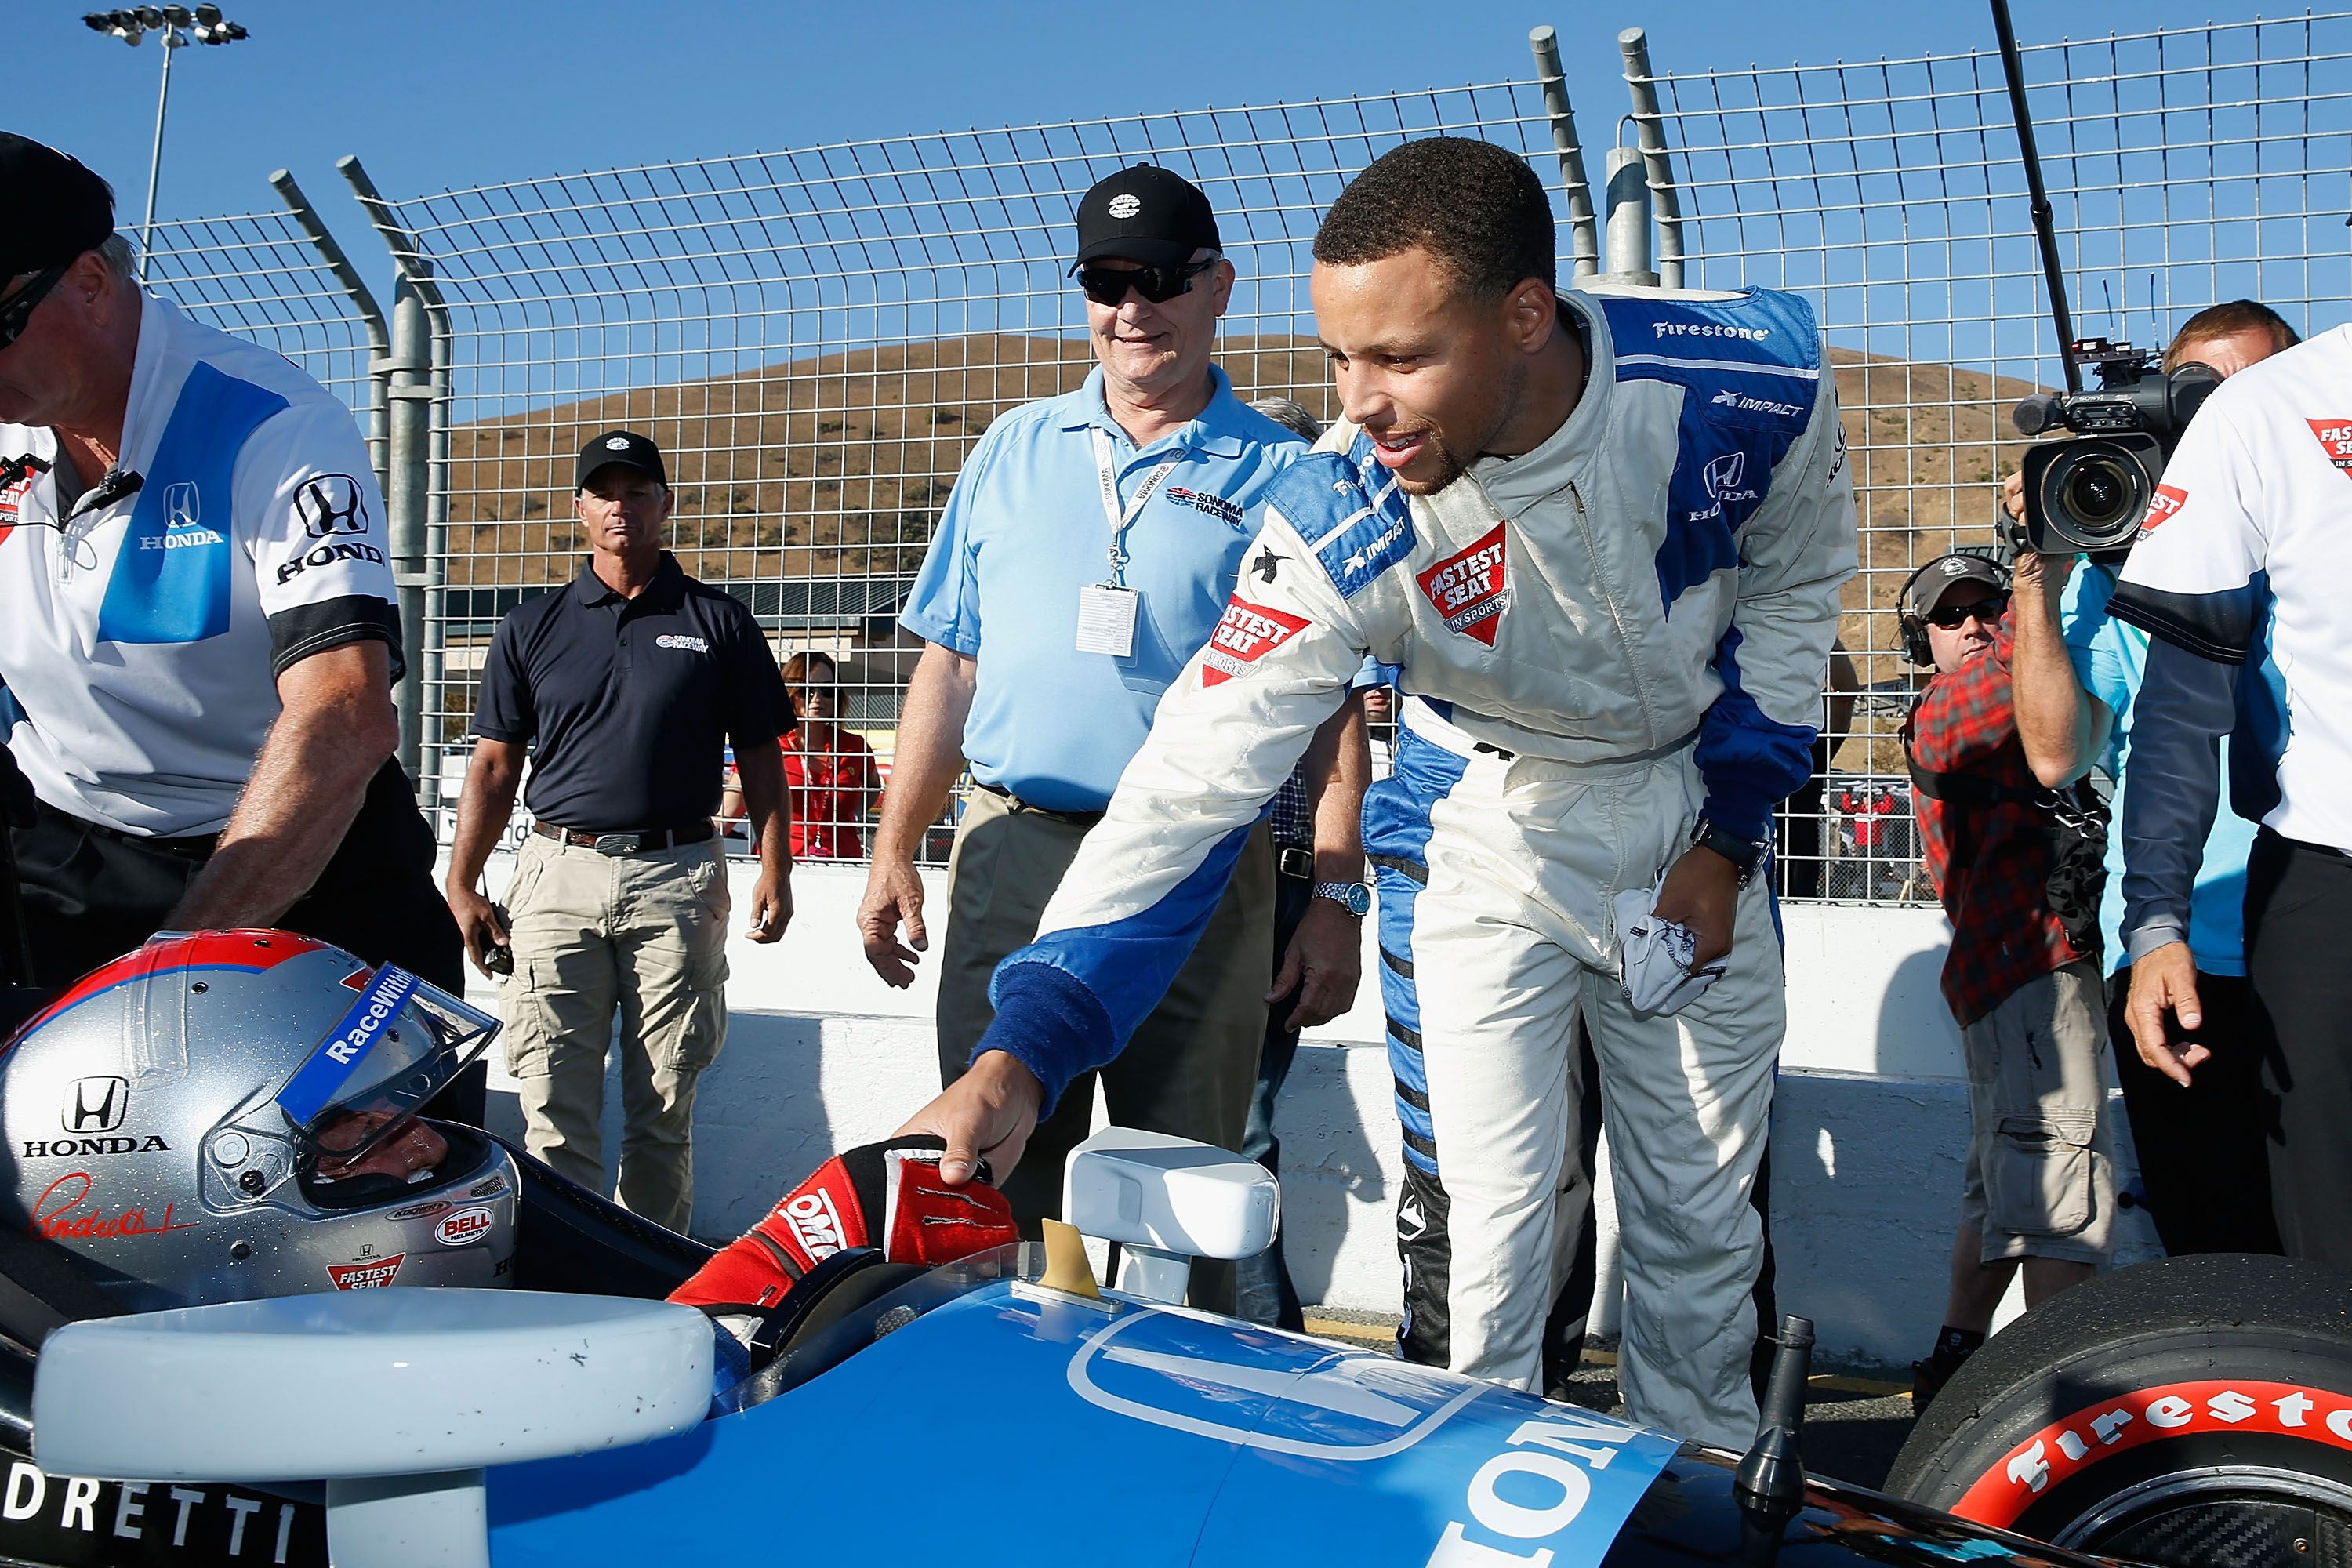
pixel 624 843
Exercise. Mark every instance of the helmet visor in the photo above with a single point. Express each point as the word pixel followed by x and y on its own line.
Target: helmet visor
pixel 400 1043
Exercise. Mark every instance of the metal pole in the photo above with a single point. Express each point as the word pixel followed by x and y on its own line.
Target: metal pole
pixel 2046 232
pixel 406 498
pixel 419 368
pixel 1629 219
pixel 1649 132
pixel 172 40
pixel 370 317
pixel 1584 240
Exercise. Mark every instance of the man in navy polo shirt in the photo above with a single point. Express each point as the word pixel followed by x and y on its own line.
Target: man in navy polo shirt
pixel 630 681
pixel 1086 553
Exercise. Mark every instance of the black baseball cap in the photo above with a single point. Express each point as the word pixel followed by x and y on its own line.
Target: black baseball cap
pixel 57 207
pixel 1935 579
pixel 620 447
pixel 1146 213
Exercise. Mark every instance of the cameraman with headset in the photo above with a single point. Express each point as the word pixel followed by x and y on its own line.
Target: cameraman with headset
pixel 2201 1151
pixel 2013 855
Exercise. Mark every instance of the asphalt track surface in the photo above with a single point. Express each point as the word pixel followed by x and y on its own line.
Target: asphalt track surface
pixel 1854 1427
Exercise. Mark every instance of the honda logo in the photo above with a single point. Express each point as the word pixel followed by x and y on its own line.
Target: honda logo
pixel 183 507
pixel 96 1104
pixel 331 504
pixel 1723 473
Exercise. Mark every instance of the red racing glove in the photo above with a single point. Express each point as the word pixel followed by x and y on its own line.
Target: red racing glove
pixel 885 1194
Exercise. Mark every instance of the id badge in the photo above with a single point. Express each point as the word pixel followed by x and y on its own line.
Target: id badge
pixel 1107 619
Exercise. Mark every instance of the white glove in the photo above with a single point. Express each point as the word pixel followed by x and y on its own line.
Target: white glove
pixel 1654 956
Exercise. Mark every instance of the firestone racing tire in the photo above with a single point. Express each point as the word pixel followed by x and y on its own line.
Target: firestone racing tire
pixel 2194 1411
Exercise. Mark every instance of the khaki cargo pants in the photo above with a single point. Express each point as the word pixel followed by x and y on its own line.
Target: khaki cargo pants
pixel 647 934
pixel 2042 1171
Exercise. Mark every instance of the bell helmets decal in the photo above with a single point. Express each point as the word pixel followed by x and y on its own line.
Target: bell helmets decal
pixel 465 1228
pixel 1466 587
pixel 1247 633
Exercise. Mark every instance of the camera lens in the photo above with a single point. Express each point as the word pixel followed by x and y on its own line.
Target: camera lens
pixel 2095 495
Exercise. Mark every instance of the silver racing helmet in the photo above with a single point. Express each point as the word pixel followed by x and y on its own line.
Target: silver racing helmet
pixel 226 1115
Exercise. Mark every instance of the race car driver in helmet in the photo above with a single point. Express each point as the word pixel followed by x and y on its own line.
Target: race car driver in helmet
pixel 226 1115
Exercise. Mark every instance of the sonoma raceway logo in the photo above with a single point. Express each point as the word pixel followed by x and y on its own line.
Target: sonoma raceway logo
pixel 2151 1415
pixel 692 644
pixel 1466 588
pixel 1215 506
pixel 1247 633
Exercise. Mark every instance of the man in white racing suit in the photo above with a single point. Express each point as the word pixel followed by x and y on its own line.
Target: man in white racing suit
pixel 1604 539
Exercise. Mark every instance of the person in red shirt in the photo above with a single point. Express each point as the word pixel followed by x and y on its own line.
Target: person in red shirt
pixel 2022 977
pixel 828 770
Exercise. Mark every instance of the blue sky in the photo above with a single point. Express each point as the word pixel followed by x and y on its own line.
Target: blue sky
pixel 432 94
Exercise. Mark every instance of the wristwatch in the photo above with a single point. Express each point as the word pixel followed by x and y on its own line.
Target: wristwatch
pixel 1740 852
pixel 1353 897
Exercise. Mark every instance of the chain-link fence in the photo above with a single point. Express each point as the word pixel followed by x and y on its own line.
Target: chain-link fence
pixel 817 338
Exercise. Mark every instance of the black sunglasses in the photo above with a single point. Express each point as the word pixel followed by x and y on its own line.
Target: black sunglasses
pixel 17 308
pixel 1952 617
pixel 1108 285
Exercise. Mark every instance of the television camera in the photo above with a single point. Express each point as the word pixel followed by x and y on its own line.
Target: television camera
pixel 2089 494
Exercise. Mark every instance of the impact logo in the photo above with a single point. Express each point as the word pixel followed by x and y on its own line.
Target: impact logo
pixel 1727 399
pixel 816 1222
pixel 366 1273
pixel 465 1228
pixel 1362 559
pixel 1466 588
pixel 1218 507
pixel 2336 440
pixel 1247 633
pixel 692 644
pixel 2170 500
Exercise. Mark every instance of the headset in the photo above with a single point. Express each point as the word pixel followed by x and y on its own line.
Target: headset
pixel 1915 628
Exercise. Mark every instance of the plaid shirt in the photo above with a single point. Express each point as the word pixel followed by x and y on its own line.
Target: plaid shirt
pixel 1990 864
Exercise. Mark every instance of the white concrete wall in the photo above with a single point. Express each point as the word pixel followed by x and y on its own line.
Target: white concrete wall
pixel 1870 1125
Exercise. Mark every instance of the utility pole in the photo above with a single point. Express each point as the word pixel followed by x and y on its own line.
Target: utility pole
pixel 179 25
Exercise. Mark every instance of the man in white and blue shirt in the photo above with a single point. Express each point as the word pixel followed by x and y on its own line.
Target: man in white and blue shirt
pixel 1087 551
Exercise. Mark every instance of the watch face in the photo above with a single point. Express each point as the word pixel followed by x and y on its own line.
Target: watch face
pixel 1359 899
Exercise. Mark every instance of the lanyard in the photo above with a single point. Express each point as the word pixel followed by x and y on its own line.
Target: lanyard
pixel 1118 519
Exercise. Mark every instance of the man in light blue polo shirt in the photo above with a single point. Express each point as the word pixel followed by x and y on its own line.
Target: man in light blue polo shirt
pixel 2199 1134
pixel 1089 551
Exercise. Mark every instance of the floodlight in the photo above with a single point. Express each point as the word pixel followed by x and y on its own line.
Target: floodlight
pixel 150 15
pixel 208 16
pixel 178 17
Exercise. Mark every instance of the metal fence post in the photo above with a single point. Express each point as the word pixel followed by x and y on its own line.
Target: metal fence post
pixel 1584 240
pixel 1629 219
pixel 363 301
pixel 1649 131
pixel 419 371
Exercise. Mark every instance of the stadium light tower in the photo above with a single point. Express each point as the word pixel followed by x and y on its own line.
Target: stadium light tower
pixel 178 24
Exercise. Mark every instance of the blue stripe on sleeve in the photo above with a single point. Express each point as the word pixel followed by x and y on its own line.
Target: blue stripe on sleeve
pixel 1068 1001
pixel 1749 763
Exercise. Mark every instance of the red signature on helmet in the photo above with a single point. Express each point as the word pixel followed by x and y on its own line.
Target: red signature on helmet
pixel 61 1223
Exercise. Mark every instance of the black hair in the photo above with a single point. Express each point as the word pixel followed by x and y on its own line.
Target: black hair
pixel 2225 321
pixel 1476 208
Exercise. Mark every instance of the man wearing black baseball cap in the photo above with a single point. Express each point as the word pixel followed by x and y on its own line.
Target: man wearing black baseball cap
pixel 1091 545
pixel 629 680
pixel 197 631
